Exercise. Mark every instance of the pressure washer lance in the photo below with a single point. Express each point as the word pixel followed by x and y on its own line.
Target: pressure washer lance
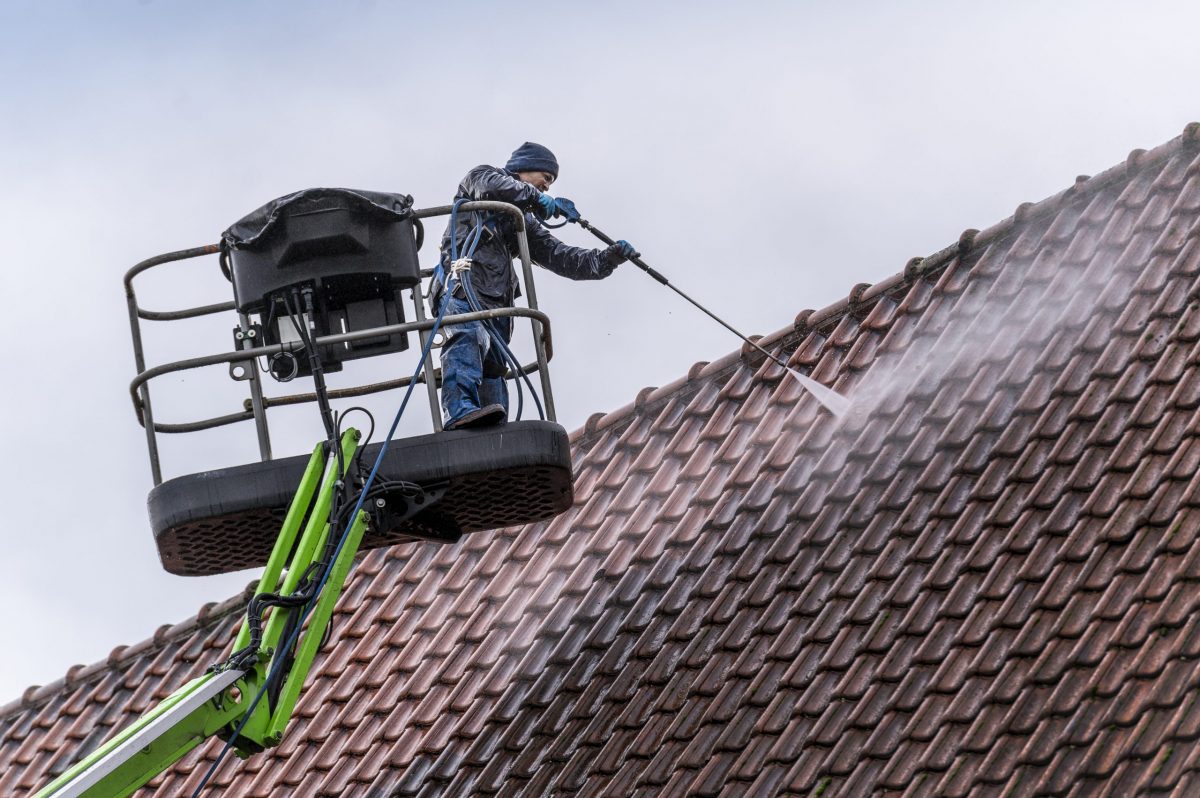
pixel 830 399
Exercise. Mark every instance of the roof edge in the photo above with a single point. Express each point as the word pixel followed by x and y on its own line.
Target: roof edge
pixel 78 675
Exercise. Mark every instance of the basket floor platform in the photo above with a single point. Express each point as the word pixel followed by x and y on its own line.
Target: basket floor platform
pixel 227 520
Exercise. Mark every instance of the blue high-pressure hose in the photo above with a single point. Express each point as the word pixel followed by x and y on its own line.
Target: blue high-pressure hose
pixel 491 325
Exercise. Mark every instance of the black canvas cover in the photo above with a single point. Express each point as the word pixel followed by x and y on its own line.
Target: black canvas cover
pixel 256 225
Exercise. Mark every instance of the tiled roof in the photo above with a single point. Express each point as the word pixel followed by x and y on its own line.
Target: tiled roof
pixel 984 580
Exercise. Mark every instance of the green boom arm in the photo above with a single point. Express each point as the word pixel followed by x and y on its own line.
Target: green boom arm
pixel 218 702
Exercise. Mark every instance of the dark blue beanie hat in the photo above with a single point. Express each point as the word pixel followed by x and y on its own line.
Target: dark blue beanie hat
pixel 530 157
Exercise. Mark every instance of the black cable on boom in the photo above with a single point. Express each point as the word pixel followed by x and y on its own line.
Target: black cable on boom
pixel 309 584
pixel 304 327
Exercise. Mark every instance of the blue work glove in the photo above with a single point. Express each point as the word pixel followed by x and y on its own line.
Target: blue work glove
pixel 621 252
pixel 549 207
pixel 566 209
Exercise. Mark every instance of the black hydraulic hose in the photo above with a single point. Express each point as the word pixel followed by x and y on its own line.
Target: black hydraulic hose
pixel 641 264
pixel 314 359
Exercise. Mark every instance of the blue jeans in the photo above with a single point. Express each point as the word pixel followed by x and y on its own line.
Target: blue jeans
pixel 472 366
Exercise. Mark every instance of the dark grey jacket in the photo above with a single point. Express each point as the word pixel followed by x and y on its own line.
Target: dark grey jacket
pixel 492 272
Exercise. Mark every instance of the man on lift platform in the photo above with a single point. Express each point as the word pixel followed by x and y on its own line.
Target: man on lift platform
pixel 474 393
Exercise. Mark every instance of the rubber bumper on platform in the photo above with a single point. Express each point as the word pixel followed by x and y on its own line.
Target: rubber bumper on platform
pixel 226 520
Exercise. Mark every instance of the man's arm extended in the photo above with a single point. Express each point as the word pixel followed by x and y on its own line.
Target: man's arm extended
pixel 565 260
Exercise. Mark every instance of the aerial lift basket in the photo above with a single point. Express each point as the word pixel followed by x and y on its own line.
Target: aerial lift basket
pixel 345 264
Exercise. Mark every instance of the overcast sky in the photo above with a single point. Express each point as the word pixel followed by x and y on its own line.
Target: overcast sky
pixel 765 156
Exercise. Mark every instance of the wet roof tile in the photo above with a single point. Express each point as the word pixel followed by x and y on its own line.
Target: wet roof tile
pixel 981 579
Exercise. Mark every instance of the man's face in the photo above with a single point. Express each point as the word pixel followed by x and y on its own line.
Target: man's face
pixel 539 180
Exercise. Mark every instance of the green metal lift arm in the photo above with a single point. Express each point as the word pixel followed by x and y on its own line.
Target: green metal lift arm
pixel 217 702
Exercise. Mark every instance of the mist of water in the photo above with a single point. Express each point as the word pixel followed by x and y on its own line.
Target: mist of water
pixel 1002 329
pixel 830 399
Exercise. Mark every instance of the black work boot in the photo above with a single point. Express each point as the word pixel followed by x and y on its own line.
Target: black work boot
pixel 483 417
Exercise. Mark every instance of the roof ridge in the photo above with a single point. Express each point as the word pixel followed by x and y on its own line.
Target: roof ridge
pixel 864 295
pixel 77 675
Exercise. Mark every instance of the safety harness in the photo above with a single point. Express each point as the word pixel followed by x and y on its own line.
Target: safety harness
pixel 460 272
